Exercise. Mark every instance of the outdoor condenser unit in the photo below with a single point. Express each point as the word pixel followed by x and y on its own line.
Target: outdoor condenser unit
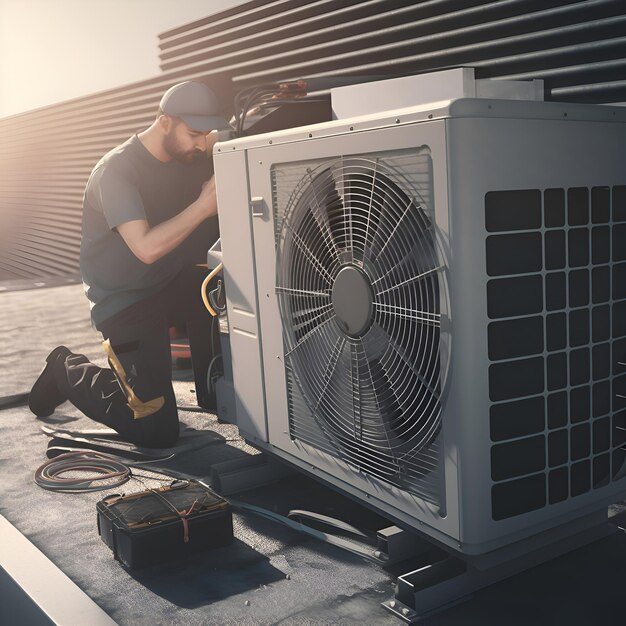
pixel 427 309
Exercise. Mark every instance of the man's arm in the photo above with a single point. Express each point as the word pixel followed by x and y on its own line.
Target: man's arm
pixel 150 244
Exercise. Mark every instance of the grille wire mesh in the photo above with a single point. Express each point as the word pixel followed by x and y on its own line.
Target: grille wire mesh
pixel 375 396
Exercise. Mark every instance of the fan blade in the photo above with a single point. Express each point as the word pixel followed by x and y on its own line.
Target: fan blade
pixel 407 258
pixel 315 331
pixel 319 186
pixel 421 276
pixel 434 391
pixel 423 317
pixel 308 254
pixel 304 293
pixel 333 359
pixel 370 212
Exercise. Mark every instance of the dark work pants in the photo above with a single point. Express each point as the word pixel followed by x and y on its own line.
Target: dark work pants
pixel 142 408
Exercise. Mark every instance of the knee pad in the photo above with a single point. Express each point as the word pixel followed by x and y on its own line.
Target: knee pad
pixel 139 407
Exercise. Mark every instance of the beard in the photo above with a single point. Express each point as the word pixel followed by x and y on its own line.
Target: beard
pixel 172 147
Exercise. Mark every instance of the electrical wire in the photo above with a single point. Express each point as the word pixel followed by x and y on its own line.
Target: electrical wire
pixel 205 284
pixel 271 93
pixel 97 469
pixel 210 374
pixel 249 94
pixel 215 296
pixel 106 468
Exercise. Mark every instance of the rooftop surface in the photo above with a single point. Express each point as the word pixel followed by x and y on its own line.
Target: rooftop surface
pixel 270 574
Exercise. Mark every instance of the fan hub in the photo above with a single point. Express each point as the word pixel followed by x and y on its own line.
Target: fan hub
pixel 353 301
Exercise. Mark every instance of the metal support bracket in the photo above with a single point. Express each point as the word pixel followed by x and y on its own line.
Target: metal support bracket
pixel 449 580
pixel 395 545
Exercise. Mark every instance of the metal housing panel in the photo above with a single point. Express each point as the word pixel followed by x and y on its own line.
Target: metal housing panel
pixel 401 505
pixel 507 154
pixel 480 146
pixel 243 324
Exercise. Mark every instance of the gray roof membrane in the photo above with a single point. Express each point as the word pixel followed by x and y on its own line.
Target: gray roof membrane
pixel 270 574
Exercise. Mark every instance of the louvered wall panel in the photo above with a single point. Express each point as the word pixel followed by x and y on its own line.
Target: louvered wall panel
pixel 578 48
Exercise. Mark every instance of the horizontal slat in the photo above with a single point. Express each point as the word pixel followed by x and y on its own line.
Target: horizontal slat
pixel 404 25
pixel 378 58
pixel 249 16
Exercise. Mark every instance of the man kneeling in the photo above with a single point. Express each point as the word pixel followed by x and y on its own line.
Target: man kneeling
pixel 143 200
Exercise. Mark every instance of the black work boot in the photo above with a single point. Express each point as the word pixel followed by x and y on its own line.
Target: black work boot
pixel 45 396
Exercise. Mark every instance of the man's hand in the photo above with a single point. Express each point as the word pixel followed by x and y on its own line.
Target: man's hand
pixel 211 139
pixel 207 198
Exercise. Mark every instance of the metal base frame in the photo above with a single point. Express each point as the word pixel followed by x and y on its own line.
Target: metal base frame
pixel 442 580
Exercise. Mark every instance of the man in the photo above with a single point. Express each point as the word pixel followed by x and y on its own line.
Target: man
pixel 149 214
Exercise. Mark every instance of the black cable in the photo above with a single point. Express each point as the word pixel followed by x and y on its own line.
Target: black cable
pixel 266 91
pixel 17 399
pixel 245 93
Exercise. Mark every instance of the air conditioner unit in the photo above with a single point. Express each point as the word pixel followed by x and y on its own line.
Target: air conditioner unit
pixel 427 310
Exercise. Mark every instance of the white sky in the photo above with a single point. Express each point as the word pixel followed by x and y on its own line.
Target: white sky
pixel 55 50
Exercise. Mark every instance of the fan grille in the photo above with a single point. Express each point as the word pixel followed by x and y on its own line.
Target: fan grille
pixel 358 284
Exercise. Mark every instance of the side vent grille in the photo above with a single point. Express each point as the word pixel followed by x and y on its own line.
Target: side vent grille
pixel 556 302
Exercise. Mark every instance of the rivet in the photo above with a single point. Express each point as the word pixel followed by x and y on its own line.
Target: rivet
pixel 351 127
pixel 397 120
pixel 430 117
pixel 270 141
pixel 310 134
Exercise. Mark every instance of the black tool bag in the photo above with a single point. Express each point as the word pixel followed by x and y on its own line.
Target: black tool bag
pixel 160 525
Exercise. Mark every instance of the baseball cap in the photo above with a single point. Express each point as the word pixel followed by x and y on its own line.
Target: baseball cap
pixel 196 104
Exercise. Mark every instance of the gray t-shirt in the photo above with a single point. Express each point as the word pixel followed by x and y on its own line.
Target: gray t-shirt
pixel 128 184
